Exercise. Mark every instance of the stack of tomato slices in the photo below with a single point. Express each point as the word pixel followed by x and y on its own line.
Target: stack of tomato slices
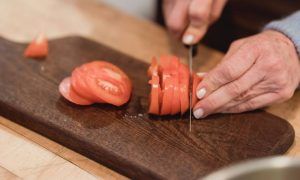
pixel 97 82
pixel 169 80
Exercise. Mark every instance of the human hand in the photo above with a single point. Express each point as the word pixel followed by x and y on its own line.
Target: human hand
pixel 190 19
pixel 256 72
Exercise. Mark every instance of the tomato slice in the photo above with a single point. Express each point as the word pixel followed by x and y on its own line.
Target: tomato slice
pixel 107 82
pixel 184 88
pixel 196 81
pixel 176 94
pixel 167 95
pixel 38 48
pixel 80 86
pixel 155 95
pixel 68 92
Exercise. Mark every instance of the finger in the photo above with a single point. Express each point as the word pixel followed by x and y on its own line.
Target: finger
pixel 254 103
pixel 176 16
pixel 253 92
pixel 227 93
pixel 217 8
pixel 235 46
pixel 227 71
pixel 199 14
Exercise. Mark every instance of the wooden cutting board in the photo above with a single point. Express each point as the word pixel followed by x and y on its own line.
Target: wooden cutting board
pixel 126 138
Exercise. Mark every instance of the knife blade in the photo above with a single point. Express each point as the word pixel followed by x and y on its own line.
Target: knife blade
pixel 192 52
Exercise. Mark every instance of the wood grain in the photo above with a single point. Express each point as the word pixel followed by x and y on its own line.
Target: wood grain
pixel 126 138
pixel 128 36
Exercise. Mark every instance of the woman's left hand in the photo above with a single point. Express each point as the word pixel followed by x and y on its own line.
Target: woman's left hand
pixel 256 72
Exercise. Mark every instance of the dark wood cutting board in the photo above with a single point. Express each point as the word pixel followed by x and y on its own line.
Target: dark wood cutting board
pixel 126 138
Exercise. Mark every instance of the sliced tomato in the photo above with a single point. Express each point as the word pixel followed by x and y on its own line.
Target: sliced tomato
pixel 167 95
pixel 107 82
pixel 184 88
pixel 196 81
pixel 38 48
pixel 176 93
pixel 155 95
pixel 68 92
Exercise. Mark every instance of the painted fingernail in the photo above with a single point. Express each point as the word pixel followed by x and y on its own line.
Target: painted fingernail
pixel 188 39
pixel 201 93
pixel 198 113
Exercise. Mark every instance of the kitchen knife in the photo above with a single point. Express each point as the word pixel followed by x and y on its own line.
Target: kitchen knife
pixel 192 52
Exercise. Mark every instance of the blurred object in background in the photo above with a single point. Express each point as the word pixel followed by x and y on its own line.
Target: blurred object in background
pixel 140 8
pixel 243 18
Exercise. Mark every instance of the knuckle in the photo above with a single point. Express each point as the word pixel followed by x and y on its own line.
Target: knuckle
pixel 210 104
pixel 173 25
pixel 213 80
pixel 199 15
pixel 227 72
pixel 234 89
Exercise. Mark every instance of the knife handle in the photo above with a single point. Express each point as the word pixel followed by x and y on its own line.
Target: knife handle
pixel 194 49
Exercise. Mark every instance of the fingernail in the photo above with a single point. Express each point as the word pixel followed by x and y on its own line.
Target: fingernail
pixel 201 74
pixel 201 93
pixel 198 113
pixel 188 39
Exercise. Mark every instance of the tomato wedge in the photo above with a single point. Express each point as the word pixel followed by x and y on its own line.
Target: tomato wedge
pixel 155 95
pixel 68 92
pixel 38 48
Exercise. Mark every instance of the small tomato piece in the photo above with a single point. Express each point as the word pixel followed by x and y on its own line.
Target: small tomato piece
pixel 38 48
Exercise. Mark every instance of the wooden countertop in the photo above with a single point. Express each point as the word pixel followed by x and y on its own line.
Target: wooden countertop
pixel 26 154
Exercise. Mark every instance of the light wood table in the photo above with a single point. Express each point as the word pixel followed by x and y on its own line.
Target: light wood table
pixel 26 154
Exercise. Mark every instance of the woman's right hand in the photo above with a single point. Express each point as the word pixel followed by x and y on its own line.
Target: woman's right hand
pixel 190 19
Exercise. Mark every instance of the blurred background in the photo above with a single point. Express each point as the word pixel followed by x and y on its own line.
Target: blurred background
pixel 238 19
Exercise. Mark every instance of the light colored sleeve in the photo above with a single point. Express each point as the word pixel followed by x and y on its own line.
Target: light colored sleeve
pixel 290 26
